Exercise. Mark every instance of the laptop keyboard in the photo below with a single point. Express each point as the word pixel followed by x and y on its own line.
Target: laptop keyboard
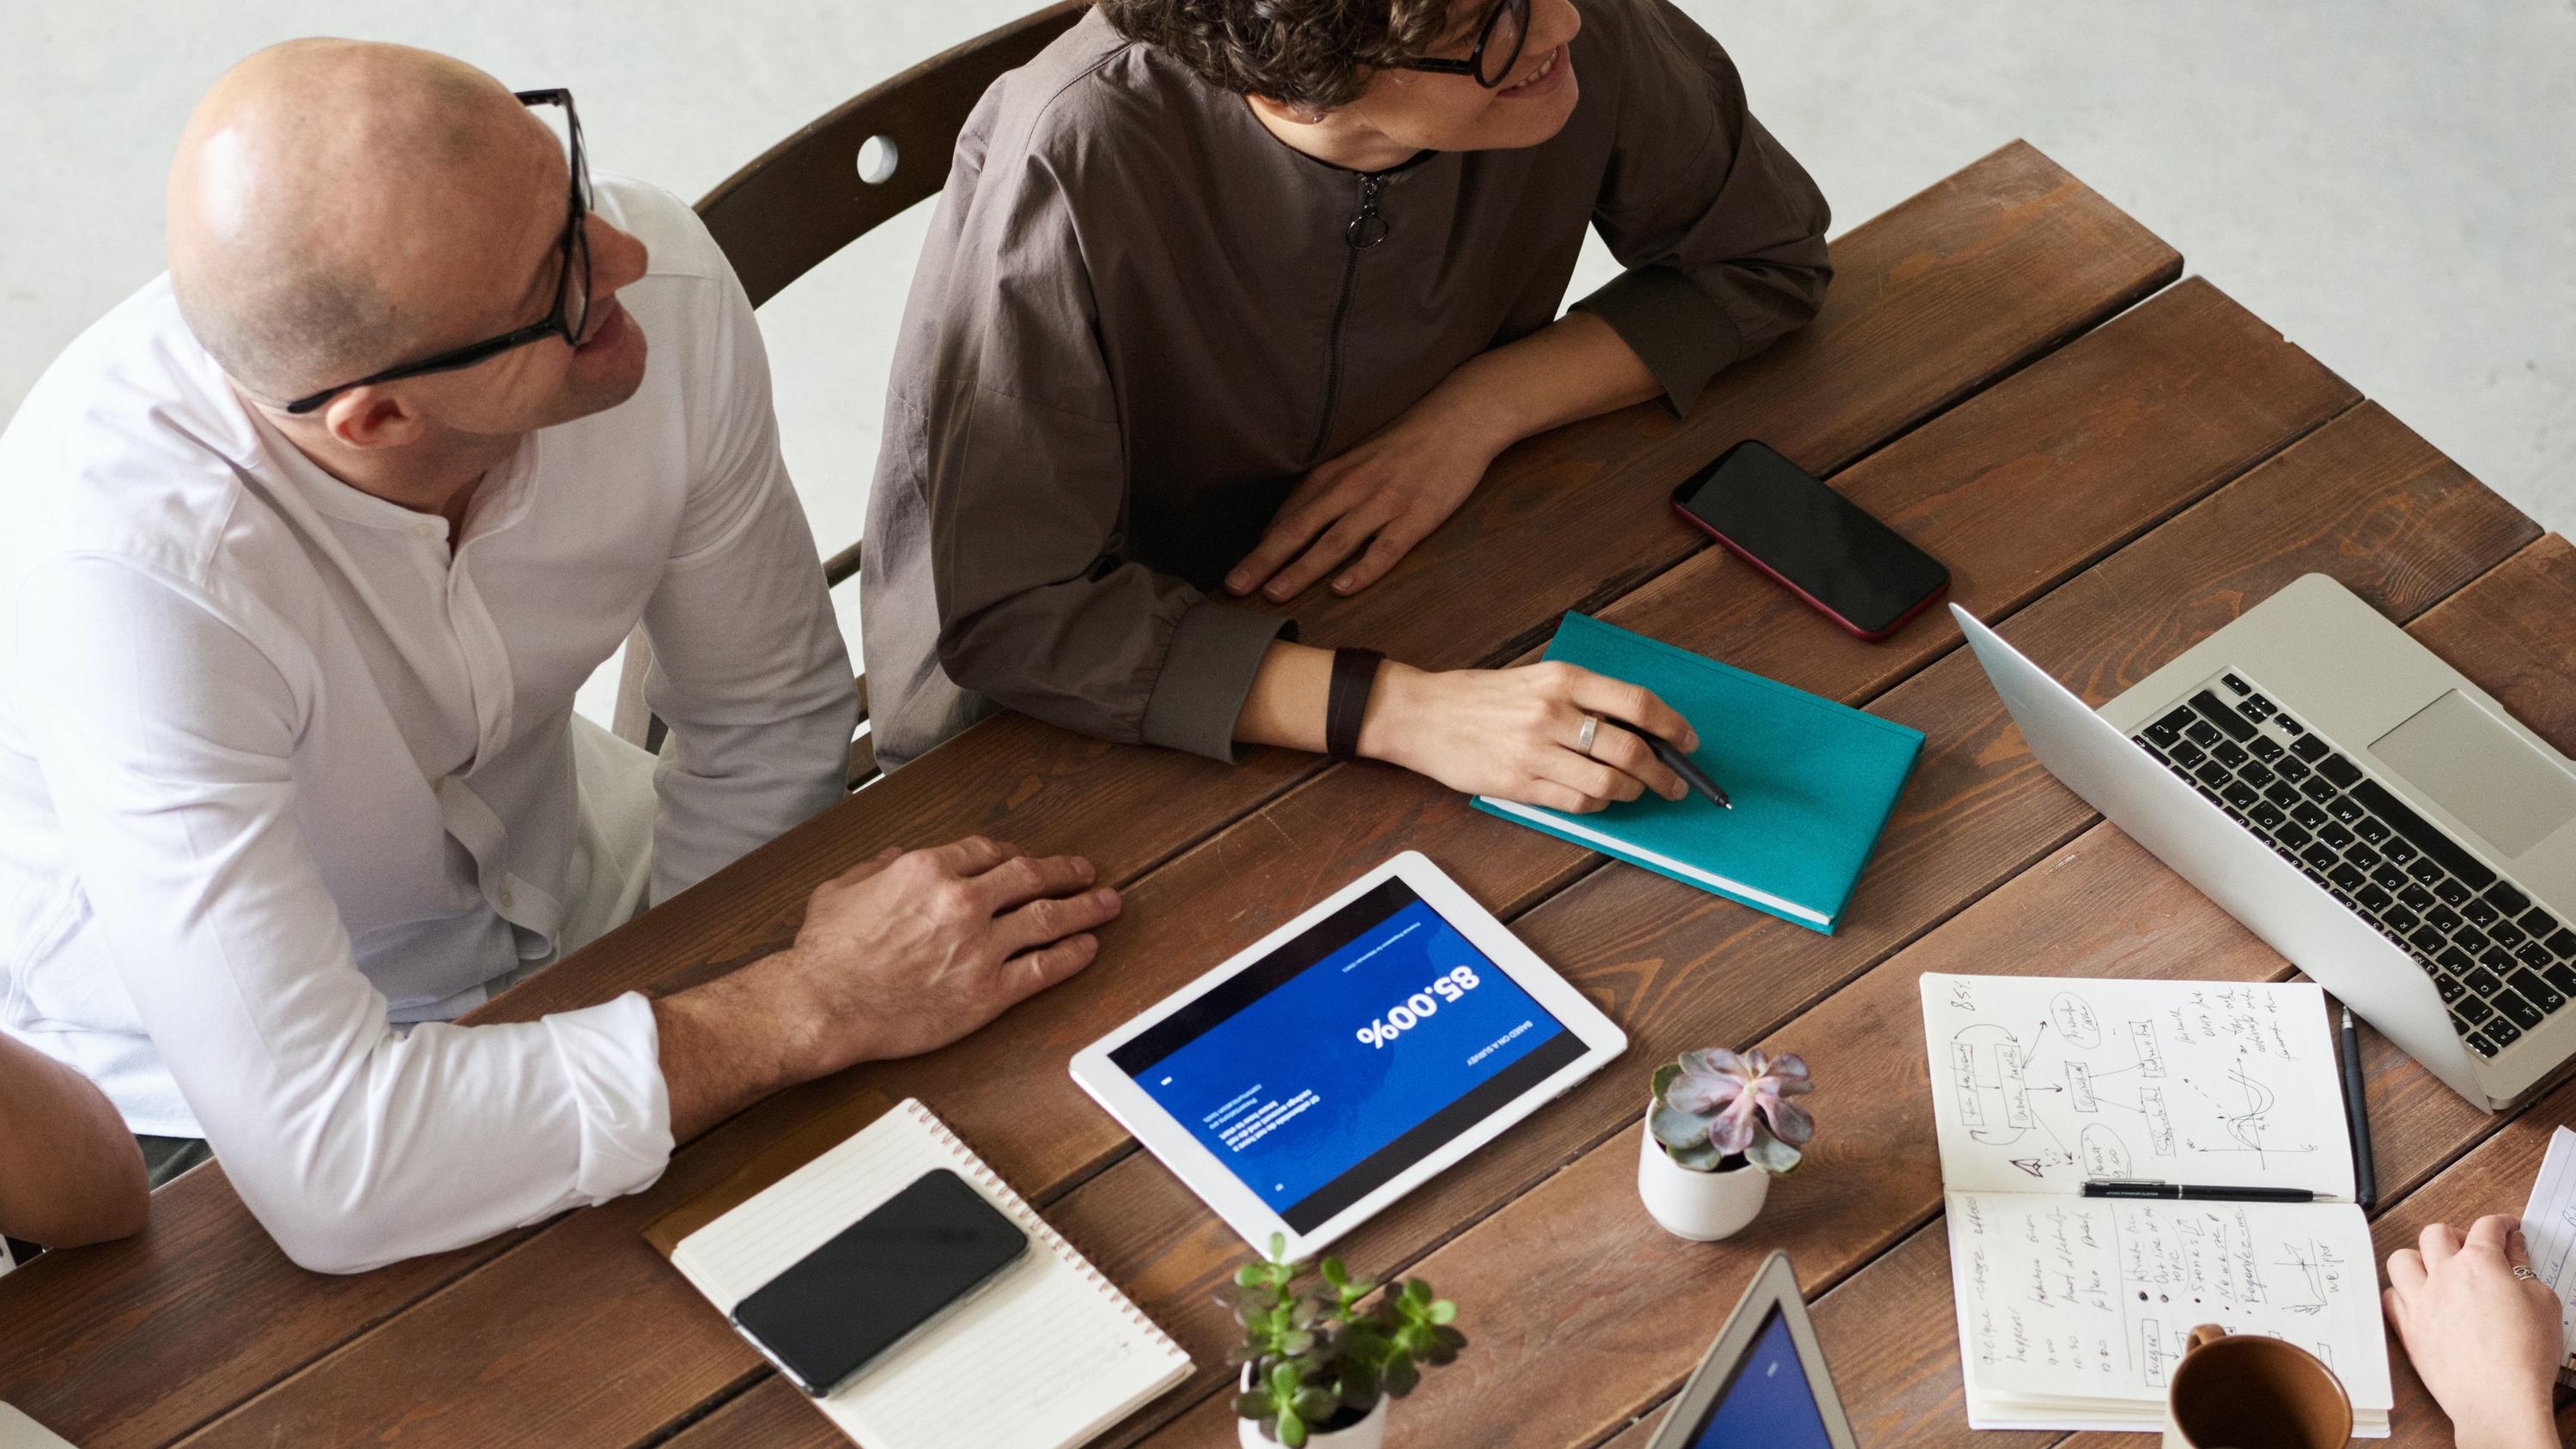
pixel 2502 964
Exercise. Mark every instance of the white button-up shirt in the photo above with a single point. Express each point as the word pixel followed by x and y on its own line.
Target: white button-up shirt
pixel 283 767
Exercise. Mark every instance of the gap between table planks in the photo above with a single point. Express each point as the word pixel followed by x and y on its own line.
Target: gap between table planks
pixel 2206 422
pixel 1964 283
pixel 2361 498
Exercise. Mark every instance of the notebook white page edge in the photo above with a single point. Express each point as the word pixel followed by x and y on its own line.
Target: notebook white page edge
pixel 945 1385
pixel 1615 846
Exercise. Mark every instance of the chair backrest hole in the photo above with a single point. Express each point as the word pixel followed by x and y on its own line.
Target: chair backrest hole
pixel 877 157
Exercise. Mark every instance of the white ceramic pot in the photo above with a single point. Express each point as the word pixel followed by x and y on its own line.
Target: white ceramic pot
pixel 1368 1433
pixel 1700 1206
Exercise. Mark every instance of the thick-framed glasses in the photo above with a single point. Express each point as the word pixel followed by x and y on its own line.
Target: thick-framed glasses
pixel 1498 47
pixel 572 282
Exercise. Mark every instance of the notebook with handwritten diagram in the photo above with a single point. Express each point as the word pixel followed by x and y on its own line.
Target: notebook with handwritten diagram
pixel 2549 1226
pixel 1812 781
pixel 2073 1310
pixel 1048 1357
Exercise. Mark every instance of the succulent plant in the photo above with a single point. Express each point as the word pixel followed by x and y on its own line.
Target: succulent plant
pixel 1716 1104
pixel 1318 1359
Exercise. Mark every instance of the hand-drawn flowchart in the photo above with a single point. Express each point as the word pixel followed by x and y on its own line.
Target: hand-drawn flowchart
pixel 2062 1081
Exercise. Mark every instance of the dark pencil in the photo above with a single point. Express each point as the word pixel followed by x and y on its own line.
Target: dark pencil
pixel 1680 764
pixel 2365 1177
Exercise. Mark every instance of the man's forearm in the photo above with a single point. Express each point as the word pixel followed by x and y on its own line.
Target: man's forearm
pixel 726 1045
pixel 69 1170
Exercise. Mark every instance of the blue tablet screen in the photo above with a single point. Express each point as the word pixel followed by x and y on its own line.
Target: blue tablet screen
pixel 1769 1404
pixel 1331 1065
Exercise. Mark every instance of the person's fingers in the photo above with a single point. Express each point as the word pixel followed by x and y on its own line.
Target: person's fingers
pixel 1634 704
pixel 2490 1233
pixel 1025 878
pixel 1630 755
pixel 1030 974
pixel 2438 1244
pixel 1054 918
pixel 2395 1307
pixel 973 855
pixel 1564 799
pixel 1384 552
pixel 1593 780
pixel 1291 530
pixel 2405 1271
pixel 1348 534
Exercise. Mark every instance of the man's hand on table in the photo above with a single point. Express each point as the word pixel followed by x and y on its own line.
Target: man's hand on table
pixel 2485 1342
pixel 898 955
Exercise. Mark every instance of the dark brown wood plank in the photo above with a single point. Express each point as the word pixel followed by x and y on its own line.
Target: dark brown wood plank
pixel 2220 390
pixel 771 1414
pixel 1932 300
pixel 2362 498
pixel 1888 1329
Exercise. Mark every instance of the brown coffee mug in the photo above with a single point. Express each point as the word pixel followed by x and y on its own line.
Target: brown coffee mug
pixel 2244 1391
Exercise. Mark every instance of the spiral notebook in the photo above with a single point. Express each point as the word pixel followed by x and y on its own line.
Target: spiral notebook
pixel 1047 1358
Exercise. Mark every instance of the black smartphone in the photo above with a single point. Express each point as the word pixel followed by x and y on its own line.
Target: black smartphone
pixel 880 1281
pixel 1821 546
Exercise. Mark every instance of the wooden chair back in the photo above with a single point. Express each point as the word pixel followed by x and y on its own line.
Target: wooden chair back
pixel 835 180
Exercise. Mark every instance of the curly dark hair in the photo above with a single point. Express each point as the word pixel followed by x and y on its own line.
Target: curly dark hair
pixel 1312 54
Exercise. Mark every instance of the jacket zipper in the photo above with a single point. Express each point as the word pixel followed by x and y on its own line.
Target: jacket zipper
pixel 1366 228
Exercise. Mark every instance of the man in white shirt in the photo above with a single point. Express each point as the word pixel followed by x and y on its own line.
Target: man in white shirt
pixel 289 774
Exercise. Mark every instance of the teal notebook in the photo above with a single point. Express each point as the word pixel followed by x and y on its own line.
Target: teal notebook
pixel 1813 782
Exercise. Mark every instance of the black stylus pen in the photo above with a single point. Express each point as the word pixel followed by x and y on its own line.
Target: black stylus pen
pixel 2181 1192
pixel 2365 1177
pixel 1680 764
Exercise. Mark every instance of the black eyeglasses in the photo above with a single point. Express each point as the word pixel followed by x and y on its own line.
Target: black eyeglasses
pixel 572 285
pixel 1498 47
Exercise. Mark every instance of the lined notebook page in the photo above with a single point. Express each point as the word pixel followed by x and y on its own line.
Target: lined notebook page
pixel 1050 1356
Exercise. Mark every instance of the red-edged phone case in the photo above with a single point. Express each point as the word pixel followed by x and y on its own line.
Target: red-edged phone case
pixel 1856 631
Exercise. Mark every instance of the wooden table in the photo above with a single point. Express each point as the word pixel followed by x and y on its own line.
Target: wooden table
pixel 2113 462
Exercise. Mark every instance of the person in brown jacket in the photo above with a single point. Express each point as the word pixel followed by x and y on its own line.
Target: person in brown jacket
pixel 1237 296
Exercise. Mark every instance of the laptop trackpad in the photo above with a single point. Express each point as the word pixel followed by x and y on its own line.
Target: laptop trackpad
pixel 2482 772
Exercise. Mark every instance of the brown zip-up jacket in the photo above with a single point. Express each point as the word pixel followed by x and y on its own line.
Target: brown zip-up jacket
pixel 1140 318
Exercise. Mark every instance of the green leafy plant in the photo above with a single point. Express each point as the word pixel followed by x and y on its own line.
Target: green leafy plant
pixel 1717 1109
pixel 1320 1360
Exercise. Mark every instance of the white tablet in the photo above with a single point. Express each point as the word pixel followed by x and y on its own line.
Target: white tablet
pixel 1347 1056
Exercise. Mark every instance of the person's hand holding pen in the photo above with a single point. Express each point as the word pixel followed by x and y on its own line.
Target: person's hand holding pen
pixel 1549 734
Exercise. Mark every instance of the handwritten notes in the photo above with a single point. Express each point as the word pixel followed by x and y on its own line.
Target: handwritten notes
pixel 2549 1225
pixel 2086 1299
pixel 2040 1084
pixel 2073 1311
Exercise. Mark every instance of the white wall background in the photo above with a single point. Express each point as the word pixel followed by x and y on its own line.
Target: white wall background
pixel 2392 183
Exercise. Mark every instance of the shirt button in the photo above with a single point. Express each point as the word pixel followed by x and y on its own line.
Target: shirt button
pixel 425 530
pixel 505 898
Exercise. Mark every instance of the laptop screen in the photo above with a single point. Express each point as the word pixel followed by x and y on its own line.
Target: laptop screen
pixel 1769 1403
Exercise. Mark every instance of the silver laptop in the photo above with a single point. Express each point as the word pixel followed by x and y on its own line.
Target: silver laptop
pixel 2358 804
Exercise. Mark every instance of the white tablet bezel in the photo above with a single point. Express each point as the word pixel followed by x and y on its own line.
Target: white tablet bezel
pixel 1241 1208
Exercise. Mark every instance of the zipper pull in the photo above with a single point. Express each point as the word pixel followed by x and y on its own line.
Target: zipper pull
pixel 1368 228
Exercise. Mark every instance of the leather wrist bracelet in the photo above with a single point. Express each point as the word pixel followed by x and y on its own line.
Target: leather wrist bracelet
pixel 1354 675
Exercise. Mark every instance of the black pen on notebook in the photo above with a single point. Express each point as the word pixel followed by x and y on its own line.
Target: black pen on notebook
pixel 1680 764
pixel 2365 1175
pixel 2184 1192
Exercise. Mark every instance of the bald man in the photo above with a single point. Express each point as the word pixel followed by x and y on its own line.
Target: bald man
pixel 309 544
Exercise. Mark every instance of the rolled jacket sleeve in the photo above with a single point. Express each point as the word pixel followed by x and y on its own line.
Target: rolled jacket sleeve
pixel 1024 474
pixel 1723 232
pixel 167 742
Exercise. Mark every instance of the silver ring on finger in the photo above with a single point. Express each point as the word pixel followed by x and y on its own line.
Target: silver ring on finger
pixel 2523 1272
pixel 1583 742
